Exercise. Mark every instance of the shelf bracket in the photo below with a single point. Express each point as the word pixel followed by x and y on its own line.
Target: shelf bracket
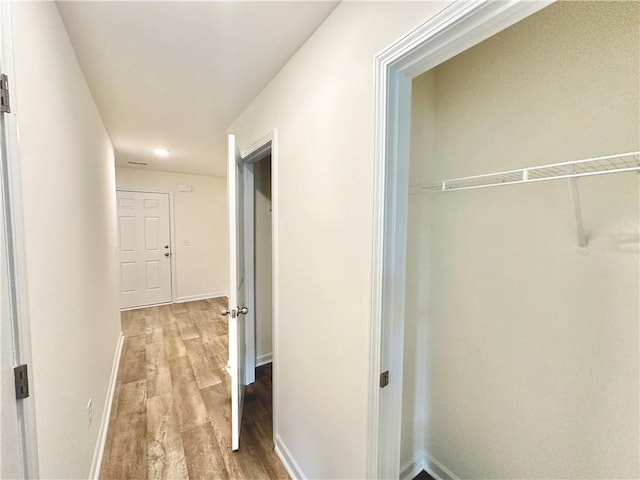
pixel 577 211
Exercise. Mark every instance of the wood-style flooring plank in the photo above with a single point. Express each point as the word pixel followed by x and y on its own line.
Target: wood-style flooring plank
pixel 269 459
pixel 189 406
pixel 221 324
pixel 133 323
pixel 153 325
pixel 106 454
pixel 173 340
pixel 215 304
pixel 158 374
pixel 213 333
pixel 165 449
pixel 218 405
pixel 178 308
pixel 166 315
pixel 187 327
pixel 133 366
pixel 204 458
pixel 219 350
pixel 254 410
pixel 132 398
pixel 128 453
pixel 208 334
pixel 205 370
pixel 251 453
pixel 128 456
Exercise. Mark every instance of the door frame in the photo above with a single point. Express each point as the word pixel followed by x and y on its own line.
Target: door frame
pixel 254 153
pixel 172 235
pixel 458 27
pixel 15 251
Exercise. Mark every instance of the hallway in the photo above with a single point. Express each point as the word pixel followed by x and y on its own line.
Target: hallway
pixel 171 410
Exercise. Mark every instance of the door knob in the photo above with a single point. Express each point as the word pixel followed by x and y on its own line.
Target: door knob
pixel 166 254
pixel 224 312
pixel 243 310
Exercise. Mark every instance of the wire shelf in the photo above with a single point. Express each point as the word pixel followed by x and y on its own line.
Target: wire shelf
pixel 624 162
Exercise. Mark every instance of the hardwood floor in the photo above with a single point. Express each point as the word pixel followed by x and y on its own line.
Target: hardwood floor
pixel 171 411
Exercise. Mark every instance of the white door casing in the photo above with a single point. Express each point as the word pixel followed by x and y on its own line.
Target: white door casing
pixel 267 145
pixel 18 439
pixel 459 26
pixel 237 332
pixel 144 245
pixel 11 454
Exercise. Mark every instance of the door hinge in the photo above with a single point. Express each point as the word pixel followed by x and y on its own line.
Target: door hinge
pixel 5 106
pixel 384 379
pixel 21 376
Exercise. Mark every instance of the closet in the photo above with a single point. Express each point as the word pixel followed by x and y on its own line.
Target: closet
pixel 522 302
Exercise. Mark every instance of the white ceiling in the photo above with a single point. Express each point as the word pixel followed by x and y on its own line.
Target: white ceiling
pixel 176 74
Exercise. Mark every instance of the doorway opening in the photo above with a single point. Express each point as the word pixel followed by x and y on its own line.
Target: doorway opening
pixel 253 296
pixel 258 229
pixel 409 245
pixel 258 233
pixel 455 29
pixel 263 261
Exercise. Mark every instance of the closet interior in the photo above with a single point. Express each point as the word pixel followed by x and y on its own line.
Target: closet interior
pixel 522 308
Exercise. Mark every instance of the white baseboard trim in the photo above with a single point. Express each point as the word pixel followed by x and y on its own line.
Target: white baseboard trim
pixel 289 463
pixel 428 463
pixel 412 468
pixel 202 296
pixel 437 469
pixel 264 359
pixel 126 309
pixel 98 453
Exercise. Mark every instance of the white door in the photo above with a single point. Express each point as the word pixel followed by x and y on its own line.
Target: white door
pixel 145 248
pixel 237 309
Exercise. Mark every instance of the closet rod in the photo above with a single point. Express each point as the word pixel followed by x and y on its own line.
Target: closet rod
pixel 623 162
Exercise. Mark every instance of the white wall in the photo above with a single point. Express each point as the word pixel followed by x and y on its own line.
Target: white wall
pixel 70 227
pixel 532 349
pixel 322 104
pixel 202 267
pixel 264 320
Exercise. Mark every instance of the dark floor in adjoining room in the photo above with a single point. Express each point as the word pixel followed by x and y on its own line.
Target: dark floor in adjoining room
pixel 423 476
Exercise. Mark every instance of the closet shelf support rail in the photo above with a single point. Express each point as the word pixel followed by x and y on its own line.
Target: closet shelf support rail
pixel 623 162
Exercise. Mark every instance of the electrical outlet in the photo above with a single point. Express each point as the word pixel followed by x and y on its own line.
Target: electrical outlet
pixel 187 242
pixel 90 411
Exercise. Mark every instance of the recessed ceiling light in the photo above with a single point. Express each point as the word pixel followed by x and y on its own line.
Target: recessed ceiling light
pixel 161 152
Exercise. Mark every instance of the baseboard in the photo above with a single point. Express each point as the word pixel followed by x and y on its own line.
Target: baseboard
pixel 98 453
pixel 411 469
pixel 289 463
pixel 437 469
pixel 126 309
pixel 264 359
pixel 202 296
pixel 424 461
